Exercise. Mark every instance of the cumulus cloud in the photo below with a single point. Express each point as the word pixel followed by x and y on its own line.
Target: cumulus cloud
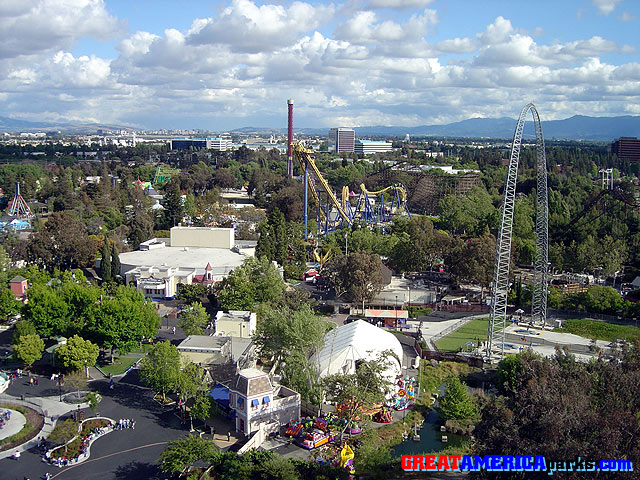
pixel 605 7
pixel 627 17
pixel 355 63
pixel 247 27
pixel 40 26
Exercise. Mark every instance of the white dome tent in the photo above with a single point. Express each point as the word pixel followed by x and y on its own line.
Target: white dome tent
pixel 359 340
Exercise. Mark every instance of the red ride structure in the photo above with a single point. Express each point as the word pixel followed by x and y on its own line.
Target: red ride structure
pixel 18 207
pixel 290 140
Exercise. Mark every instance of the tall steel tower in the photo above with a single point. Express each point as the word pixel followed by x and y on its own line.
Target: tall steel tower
pixel 290 139
pixel 500 287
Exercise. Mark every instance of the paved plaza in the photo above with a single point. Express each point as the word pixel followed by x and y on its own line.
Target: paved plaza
pixel 122 454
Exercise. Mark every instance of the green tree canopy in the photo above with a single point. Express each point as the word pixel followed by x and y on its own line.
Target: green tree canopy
pixel 160 369
pixel 105 262
pixel 358 276
pixel 256 281
pixel 77 353
pixel 194 319
pixel 456 403
pixel 9 306
pixel 29 348
pixel 184 452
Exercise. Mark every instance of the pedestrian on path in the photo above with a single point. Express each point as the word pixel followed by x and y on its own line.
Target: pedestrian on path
pixel 31 381
pixel 111 384
pixel 36 380
pixel 173 330
pixel 228 436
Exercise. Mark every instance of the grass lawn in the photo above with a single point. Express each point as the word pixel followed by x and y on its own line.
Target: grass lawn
pixel 599 330
pixel 146 348
pixel 119 366
pixel 476 328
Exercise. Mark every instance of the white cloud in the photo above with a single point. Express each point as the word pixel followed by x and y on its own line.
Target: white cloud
pixel 247 27
pixel 399 4
pixel 40 26
pixel 605 7
pixel 627 17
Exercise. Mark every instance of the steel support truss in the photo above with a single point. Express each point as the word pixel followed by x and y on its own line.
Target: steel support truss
pixel 500 286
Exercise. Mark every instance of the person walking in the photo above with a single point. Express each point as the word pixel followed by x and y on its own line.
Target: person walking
pixel 228 436
pixel 173 330
pixel 111 384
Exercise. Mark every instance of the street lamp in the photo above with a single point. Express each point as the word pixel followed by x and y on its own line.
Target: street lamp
pixel 346 244
pixel 396 310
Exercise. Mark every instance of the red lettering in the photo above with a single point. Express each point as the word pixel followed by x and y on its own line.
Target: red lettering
pixel 443 462
pixel 455 461
pixel 430 462
pixel 406 462
pixel 418 463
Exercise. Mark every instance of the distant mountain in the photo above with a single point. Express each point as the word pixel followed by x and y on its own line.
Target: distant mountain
pixel 14 125
pixel 578 127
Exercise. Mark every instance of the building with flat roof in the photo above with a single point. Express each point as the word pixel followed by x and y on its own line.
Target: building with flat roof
pixel 626 148
pixel 221 144
pixel 368 147
pixel 342 140
pixel 192 255
pixel 235 323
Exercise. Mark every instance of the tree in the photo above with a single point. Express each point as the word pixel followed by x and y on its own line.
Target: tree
pixel 63 432
pixel 173 207
pixel 223 178
pixel 93 399
pixel 184 452
pixel 78 381
pixel 9 306
pixel 62 243
pixel 284 335
pixel 140 226
pixel 160 369
pixel 29 348
pixel 190 293
pixel 256 281
pixel 564 408
pixel 194 319
pixel 77 353
pixel 358 276
pixel 420 248
pixel 456 403
pixel 115 261
pixel 367 386
pixel 47 310
pixel 5 264
pixel 122 321
pixel 474 261
pixel 203 407
pixel 105 263
pixel 22 327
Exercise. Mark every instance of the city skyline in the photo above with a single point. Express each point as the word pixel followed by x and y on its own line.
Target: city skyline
pixel 225 65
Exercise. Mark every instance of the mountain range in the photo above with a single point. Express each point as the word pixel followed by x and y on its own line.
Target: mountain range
pixel 578 127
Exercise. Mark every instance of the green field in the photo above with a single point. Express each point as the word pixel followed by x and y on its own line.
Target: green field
pixel 471 332
pixel 119 366
pixel 599 330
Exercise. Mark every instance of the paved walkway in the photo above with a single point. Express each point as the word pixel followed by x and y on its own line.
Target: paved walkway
pixel 13 425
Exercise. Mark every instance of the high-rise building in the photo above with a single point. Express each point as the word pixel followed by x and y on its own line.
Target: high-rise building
pixel 627 148
pixel 342 140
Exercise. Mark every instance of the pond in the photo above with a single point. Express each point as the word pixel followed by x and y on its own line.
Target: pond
pixel 430 439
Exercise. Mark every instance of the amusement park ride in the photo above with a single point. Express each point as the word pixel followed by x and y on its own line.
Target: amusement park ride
pixel 17 206
pixel 363 208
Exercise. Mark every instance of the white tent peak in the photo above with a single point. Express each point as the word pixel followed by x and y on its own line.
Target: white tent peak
pixel 359 340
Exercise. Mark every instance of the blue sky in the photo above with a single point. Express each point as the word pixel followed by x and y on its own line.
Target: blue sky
pixel 224 65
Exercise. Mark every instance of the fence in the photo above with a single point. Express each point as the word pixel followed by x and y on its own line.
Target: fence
pixel 453 357
pixel 600 317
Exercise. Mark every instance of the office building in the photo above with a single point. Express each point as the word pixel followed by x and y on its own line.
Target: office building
pixel 342 140
pixel 219 143
pixel 626 148
pixel 368 147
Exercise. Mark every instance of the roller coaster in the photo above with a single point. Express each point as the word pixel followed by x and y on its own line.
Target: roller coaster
pixel 367 207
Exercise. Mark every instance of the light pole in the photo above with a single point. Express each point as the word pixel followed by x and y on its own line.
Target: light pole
pixel 396 310
pixel 86 370
pixel 346 244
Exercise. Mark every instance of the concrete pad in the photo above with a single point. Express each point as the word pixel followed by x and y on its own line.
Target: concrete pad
pixel 13 425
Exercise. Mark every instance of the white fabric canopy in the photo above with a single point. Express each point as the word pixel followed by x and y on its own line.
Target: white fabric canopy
pixel 359 340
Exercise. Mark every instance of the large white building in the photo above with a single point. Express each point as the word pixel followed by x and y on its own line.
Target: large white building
pixel 342 140
pixel 368 147
pixel 235 323
pixel 192 255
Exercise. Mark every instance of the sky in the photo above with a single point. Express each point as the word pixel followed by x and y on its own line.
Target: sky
pixel 223 65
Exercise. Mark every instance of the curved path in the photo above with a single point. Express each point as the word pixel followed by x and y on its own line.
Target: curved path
pixel 13 425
